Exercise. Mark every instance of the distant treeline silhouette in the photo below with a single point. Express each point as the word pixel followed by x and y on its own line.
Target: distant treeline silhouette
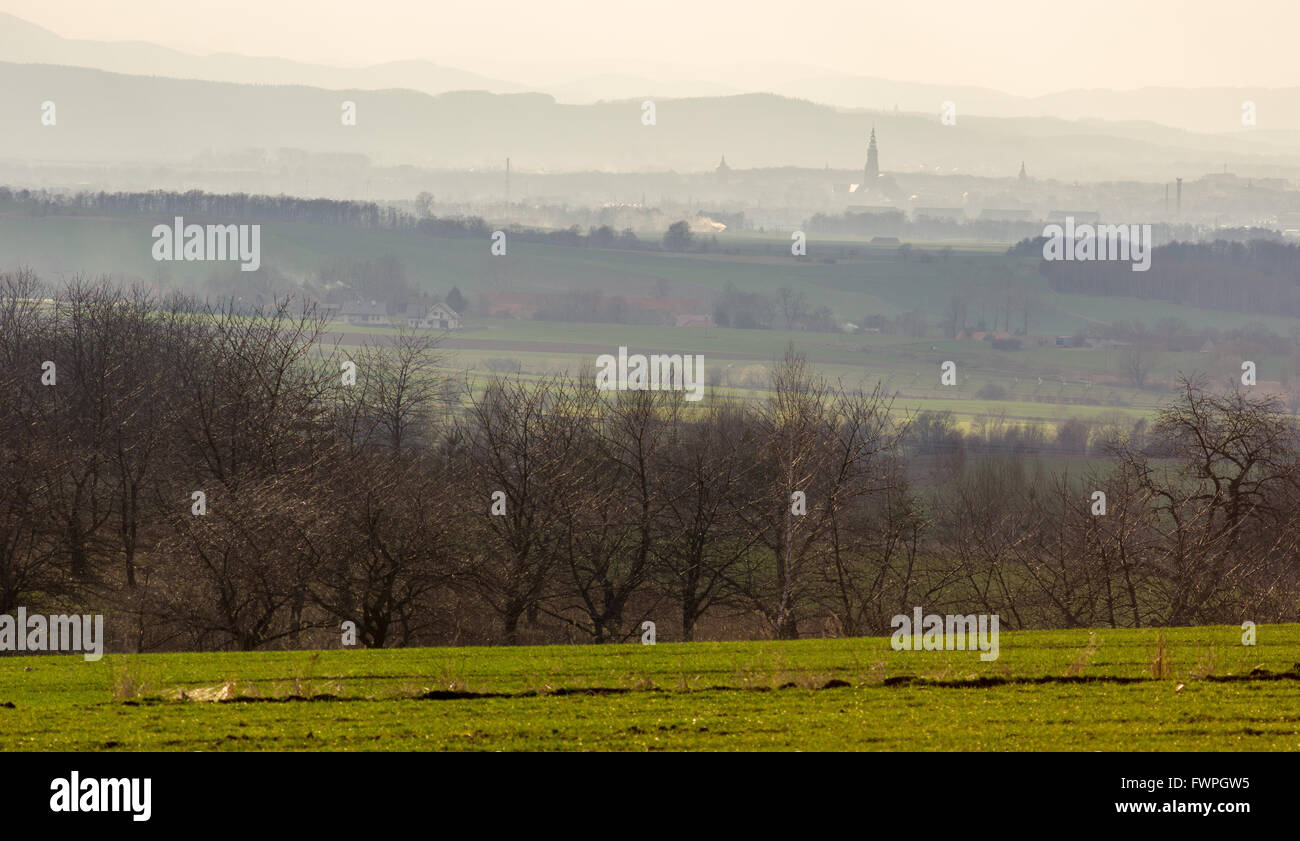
pixel 1255 276
pixel 260 208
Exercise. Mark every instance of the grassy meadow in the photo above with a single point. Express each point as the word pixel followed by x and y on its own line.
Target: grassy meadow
pixel 1078 690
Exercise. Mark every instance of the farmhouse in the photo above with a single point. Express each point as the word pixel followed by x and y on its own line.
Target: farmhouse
pixel 435 316
pixel 368 314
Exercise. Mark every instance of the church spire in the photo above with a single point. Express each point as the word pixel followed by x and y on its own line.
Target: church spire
pixel 873 160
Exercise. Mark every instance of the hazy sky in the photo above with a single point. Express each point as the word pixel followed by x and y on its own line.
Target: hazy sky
pixel 1019 46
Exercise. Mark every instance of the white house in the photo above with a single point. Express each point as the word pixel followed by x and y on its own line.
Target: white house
pixel 437 316
pixel 365 314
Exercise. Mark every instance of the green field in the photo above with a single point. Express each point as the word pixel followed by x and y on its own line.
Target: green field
pixel 1075 383
pixel 852 278
pixel 1105 690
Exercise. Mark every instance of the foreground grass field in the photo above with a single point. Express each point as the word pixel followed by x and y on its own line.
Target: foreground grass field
pixel 1177 689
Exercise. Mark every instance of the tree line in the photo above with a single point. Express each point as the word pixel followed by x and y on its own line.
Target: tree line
pixel 1255 276
pixel 210 479
pixel 358 214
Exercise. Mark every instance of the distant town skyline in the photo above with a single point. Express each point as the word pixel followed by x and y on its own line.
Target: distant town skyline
pixel 1020 47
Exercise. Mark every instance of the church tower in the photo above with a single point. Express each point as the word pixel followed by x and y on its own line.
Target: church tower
pixel 873 161
pixel 1024 176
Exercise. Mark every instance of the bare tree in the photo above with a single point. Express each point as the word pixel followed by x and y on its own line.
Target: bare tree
pixel 399 390
pixel 390 546
pixel 1222 510
pixel 698 545
pixel 794 306
pixel 609 527
pixel 519 443
pixel 1135 362
pixel 788 459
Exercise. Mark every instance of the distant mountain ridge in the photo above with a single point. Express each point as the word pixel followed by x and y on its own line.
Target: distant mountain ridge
pixel 110 117
pixel 26 43
pixel 1213 110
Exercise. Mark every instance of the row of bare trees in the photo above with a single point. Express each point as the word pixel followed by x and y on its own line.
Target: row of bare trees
pixel 213 479
pixel 1196 525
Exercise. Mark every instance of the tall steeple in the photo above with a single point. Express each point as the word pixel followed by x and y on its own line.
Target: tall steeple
pixel 873 161
pixel 1024 176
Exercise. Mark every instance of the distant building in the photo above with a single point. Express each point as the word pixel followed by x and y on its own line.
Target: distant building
pixel 415 315
pixel 444 317
pixel 435 316
pixel 875 184
pixel 695 321
pixel 873 160
pixel 1024 176
pixel 499 304
pixel 723 171
pixel 365 314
